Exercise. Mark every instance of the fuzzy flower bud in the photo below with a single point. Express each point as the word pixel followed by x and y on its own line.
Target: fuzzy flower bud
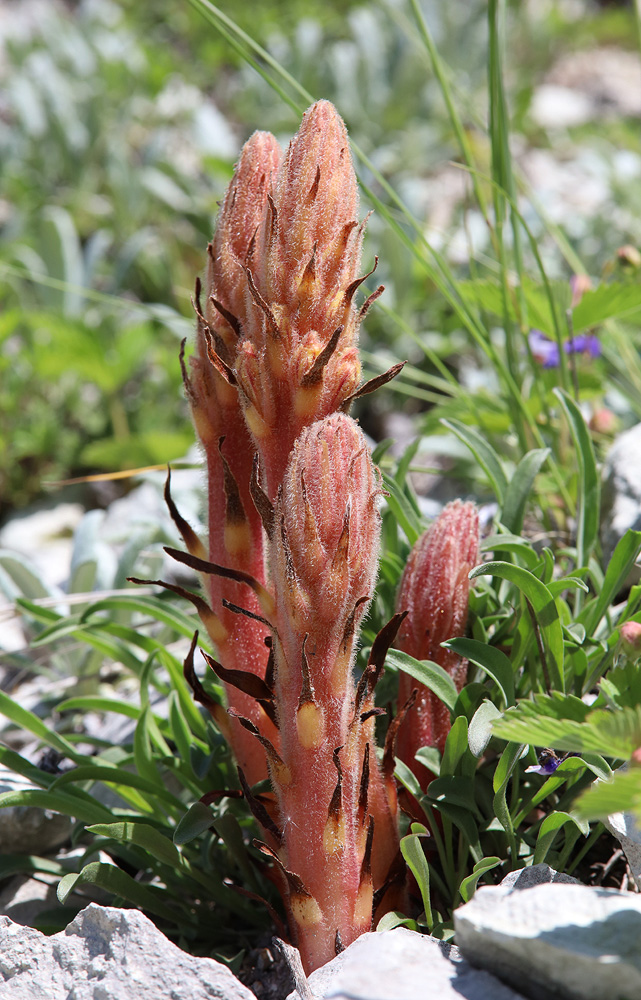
pixel 235 528
pixel 323 560
pixel 630 634
pixel 302 277
pixel 325 545
pixel 435 591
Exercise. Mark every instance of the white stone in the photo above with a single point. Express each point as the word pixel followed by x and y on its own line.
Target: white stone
pixel 555 940
pixel 559 107
pixel 402 965
pixel 107 954
pixel 621 505
pixel 623 826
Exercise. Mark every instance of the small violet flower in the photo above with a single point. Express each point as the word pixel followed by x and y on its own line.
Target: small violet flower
pixel 546 351
pixel 548 762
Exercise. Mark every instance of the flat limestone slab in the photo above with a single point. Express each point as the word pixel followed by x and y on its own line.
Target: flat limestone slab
pixel 556 940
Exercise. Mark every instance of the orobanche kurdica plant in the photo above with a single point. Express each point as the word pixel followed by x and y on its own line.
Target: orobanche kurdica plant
pixel 293 501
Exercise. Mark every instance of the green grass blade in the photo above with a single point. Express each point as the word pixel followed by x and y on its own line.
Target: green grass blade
pixel 483 453
pixel 588 489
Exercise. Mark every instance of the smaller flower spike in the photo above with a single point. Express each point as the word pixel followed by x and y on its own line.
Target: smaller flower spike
pixel 434 591
pixel 323 561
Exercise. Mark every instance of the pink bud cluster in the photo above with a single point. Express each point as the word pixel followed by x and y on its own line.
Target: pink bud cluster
pixel 434 591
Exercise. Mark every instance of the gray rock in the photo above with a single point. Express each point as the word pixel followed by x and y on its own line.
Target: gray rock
pixel 107 954
pixel 402 965
pixel 624 827
pixel 555 940
pixel 621 507
pixel 525 878
pixel 29 829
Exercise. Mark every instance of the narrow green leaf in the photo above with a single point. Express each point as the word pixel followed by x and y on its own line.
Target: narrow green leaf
pixel 455 746
pixel 92 703
pixel 511 543
pixel 545 611
pixel 519 489
pixel 402 509
pixel 117 776
pixel 143 755
pixel 623 559
pixel 468 885
pixel 480 730
pixel 142 835
pixel 408 779
pixel 159 610
pixel 490 659
pixel 483 453
pixel 412 851
pixel 62 802
pixel 548 831
pixel 588 490
pixel 25 719
pixel 117 882
pixel 430 674
pixel 196 820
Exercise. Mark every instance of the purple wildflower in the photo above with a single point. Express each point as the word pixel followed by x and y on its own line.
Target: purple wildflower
pixel 544 350
pixel 548 762
pixel 584 343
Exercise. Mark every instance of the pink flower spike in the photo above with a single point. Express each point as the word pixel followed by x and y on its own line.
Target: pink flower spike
pixel 435 591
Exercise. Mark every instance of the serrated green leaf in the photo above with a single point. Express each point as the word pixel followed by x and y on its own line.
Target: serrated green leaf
pixel 568 724
pixel 606 302
pixel 620 794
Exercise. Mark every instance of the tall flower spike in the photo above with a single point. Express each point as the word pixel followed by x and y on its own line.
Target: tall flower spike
pixel 235 528
pixel 435 591
pixel 298 361
pixel 323 559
